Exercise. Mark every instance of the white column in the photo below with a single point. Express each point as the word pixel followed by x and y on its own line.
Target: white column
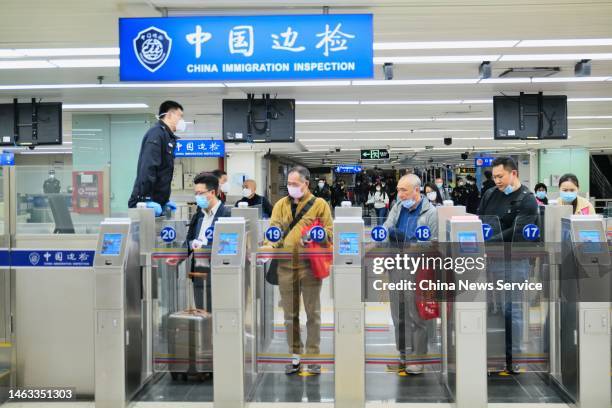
pixel 244 165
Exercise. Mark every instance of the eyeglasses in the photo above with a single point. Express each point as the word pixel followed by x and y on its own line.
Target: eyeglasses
pixel 199 193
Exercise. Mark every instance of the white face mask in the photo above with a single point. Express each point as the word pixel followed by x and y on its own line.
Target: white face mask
pixel 224 187
pixel 377 188
pixel 431 196
pixel 181 125
pixel 295 192
pixel 321 184
pixel 246 192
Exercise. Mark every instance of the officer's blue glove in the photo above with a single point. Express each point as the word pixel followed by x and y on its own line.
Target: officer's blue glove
pixel 156 207
pixel 171 205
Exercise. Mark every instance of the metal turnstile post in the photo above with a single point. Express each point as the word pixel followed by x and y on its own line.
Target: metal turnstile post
pixel 445 213
pixel 349 336
pixel 552 238
pixel 146 220
pixel 228 264
pixel 585 311
pixel 467 337
pixel 117 309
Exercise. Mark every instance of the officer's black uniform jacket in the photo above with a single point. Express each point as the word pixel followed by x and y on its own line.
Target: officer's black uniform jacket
pixel 155 166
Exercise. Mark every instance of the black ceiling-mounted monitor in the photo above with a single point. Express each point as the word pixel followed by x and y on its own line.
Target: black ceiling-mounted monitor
pixel 264 120
pixel 530 116
pixel 31 124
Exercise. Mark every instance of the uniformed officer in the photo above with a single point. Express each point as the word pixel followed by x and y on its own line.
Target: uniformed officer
pixel 156 160
pixel 51 184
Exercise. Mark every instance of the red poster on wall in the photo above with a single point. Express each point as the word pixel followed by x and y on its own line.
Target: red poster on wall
pixel 87 192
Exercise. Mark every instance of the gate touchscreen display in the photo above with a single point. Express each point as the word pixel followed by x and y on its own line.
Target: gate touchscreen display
pixel 111 244
pixel 349 243
pixel 228 243
pixel 467 242
pixel 590 240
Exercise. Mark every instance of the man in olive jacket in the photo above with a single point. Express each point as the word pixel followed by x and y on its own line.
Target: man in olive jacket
pixel 295 275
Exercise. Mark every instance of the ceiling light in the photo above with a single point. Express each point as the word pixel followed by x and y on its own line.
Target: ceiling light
pixel 555 57
pixel 570 79
pixel 436 59
pixel 589 117
pixel 68 106
pixel 165 85
pixel 433 119
pixel 433 45
pixel 112 86
pixel 505 81
pixel 583 42
pixel 324 120
pixel 395 82
pixel 26 64
pixel 58 52
pixel 589 129
pixel 276 84
pixel 429 102
pixel 589 99
pixel 85 63
pixel 327 102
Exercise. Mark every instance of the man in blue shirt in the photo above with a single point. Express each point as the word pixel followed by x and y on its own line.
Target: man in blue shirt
pixel 411 211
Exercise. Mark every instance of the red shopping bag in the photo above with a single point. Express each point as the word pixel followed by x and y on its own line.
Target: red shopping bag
pixel 427 305
pixel 319 254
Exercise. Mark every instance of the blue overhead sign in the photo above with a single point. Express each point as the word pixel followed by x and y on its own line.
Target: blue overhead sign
pixel 199 148
pixel 348 169
pixel 7 159
pixel 214 48
pixel 483 161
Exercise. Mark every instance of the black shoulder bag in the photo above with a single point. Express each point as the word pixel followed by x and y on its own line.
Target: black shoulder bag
pixel 272 272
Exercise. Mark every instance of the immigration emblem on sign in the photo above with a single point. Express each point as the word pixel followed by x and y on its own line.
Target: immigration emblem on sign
pixel 152 47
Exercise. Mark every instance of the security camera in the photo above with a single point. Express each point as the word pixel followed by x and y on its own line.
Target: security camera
pixel 465 155
pixel 388 70
pixel 338 150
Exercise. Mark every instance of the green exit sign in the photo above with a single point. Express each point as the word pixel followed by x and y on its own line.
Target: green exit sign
pixel 374 154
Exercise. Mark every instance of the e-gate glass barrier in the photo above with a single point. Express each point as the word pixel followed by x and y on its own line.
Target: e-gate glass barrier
pixel 518 326
pixel 295 318
pixel 6 346
pixel 59 200
pixel 403 328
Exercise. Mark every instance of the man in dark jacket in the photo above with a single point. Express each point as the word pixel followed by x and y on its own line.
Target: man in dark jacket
pixel 322 190
pixel 156 160
pixel 249 196
pixel 488 183
pixel 514 205
pixel 210 208
pixel 473 197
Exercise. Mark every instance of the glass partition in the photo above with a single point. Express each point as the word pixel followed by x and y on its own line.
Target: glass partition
pixel 403 336
pixel 5 304
pixel 58 200
pixel 295 317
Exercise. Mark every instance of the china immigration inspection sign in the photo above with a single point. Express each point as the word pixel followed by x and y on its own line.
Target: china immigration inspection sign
pixel 282 47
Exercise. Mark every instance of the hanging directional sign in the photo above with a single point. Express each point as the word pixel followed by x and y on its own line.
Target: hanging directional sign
pixel 374 154
pixel 199 148
pixel 483 161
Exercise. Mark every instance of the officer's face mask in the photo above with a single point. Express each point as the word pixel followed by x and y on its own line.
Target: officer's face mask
pixel 181 125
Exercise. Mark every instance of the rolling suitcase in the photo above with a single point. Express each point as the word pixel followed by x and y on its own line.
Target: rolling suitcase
pixel 190 337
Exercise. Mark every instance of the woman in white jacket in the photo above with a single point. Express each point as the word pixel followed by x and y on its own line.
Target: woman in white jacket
pixel 380 199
